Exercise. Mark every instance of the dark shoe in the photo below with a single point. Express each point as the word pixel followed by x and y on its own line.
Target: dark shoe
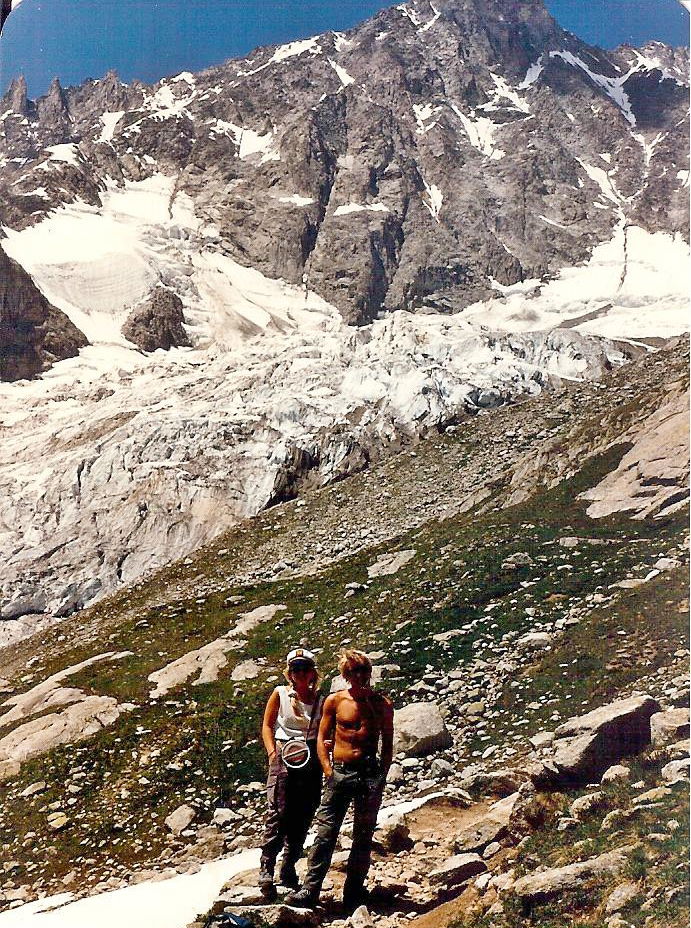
pixel 353 899
pixel 266 882
pixel 303 899
pixel 287 875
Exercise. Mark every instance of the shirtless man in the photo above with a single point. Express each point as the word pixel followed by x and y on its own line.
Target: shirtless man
pixel 353 721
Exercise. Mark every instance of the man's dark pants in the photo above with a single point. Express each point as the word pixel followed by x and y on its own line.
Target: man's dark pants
pixel 361 784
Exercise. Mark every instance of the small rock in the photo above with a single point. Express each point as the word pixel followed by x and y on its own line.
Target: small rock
pixel 653 795
pixel 179 820
pixel 57 821
pixel 457 869
pixel 616 772
pixel 361 918
pixel 584 806
pixel 541 740
pixel 33 789
pixel 676 771
pixel 624 894
pixel 395 774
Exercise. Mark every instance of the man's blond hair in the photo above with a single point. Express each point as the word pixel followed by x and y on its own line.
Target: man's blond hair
pixel 350 659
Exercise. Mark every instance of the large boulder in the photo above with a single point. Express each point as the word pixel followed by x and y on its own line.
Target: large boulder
pixel 538 886
pixel 419 729
pixel 487 829
pixel 458 869
pixel 158 322
pixel 669 726
pixel 587 745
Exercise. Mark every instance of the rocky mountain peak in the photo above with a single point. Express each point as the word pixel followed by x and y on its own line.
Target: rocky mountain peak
pixel 52 109
pixel 16 99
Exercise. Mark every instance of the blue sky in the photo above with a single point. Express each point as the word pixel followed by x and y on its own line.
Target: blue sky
pixel 148 39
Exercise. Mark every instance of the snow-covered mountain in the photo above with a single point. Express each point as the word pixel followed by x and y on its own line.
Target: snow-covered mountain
pixel 340 243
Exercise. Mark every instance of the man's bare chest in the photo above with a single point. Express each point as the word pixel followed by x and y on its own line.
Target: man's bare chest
pixel 356 716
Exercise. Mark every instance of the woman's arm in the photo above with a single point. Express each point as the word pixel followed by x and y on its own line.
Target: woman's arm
pixel 269 724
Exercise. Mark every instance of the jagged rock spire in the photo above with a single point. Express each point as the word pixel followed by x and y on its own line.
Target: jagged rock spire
pixel 53 107
pixel 16 98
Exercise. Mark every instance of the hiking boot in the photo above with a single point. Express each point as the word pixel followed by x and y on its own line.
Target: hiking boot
pixel 353 899
pixel 302 899
pixel 266 882
pixel 287 875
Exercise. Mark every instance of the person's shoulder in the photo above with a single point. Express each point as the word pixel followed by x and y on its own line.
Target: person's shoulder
pixel 333 699
pixel 382 699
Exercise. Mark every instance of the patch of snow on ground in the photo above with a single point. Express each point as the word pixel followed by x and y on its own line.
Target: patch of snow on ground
pixel 343 75
pixel 423 113
pixel 95 264
pixel 505 91
pixel 165 105
pixel 410 13
pixel 613 86
pixel 248 141
pixel 341 42
pixel 237 303
pixel 283 52
pixel 646 63
pixel 436 198
pixel 480 131
pixel 185 76
pixel 532 74
pixel 110 121
pixel 67 153
pixel 649 147
pixel 656 273
pixel 432 21
pixel 347 208
pixel 38 192
pixel 603 181
pixel 297 200
pixel 172 903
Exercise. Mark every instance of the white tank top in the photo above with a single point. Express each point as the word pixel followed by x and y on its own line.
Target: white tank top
pixel 288 723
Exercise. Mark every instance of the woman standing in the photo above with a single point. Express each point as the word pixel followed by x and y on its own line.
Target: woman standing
pixel 289 733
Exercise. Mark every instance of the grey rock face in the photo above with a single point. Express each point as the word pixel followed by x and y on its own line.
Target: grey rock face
pixel 158 323
pixel 33 333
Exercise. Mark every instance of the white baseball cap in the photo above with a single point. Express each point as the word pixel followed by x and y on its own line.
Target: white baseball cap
pixel 300 654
